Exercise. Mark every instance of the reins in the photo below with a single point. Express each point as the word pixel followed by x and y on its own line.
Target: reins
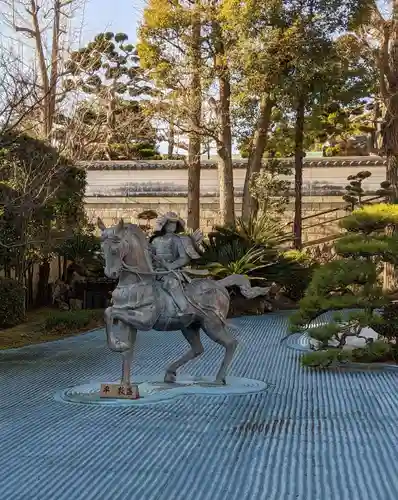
pixel 154 273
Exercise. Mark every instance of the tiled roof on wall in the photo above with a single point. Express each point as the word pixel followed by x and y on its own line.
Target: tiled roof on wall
pixel 354 161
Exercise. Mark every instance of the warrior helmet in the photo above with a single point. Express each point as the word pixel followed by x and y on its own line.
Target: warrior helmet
pixel 169 217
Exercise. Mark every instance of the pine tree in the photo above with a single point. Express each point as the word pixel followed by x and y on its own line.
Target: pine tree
pixel 107 71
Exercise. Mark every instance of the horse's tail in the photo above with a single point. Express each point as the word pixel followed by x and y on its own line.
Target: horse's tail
pixel 244 285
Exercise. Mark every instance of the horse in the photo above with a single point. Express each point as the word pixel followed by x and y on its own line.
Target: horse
pixel 140 303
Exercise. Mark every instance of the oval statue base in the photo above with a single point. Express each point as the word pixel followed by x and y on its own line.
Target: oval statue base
pixel 154 390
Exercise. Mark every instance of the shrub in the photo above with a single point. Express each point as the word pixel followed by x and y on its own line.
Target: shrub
pixel 257 231
pixel 388 328
pixel 252 248
pixel 353 280
pixel 250 265
pixel 293 271
pixel 71 320
pixel 231 248
pixel 376 352
pixel 323 359
pixel 371 218
pixel 12 303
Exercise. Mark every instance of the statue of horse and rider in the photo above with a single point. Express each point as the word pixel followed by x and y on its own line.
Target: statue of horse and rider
pixel 157 290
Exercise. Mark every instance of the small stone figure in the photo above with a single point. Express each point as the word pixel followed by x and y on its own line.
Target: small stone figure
pixel 172 252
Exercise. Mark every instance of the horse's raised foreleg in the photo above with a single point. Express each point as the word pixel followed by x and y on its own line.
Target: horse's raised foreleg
pixel 118 337
pixel 220 334
pixel 123 341
pixel 128 355
pixel 192 334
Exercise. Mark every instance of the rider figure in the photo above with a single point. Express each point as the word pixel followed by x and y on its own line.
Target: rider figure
pixel 172 251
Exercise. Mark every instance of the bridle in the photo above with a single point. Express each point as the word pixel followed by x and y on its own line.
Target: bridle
pixel 124 248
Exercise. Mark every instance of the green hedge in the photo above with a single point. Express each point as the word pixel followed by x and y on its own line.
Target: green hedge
pixel 71 320
pixel 12 303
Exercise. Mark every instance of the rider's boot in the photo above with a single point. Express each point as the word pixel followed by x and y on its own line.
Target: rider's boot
pixel 181 304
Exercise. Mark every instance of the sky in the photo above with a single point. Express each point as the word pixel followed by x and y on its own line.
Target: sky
pixel 112 15
pixel 96 17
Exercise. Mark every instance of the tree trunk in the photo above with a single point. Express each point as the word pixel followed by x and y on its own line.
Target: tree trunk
pixel 388 67
pixel 249 204
pixel 298 174
pixel 196 118
pixel 64 269
pixel 389 274
pixel 170 141
pixel 225 166
pixel 29 286
pixel 193 221
pixel 224 143
pixel 56 32
pixel 374 142
pixel 45 103
pixel 42 285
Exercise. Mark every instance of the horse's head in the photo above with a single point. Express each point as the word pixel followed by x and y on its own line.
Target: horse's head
pixel 123 243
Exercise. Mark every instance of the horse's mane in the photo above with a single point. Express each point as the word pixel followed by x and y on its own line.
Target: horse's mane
pixel 132 231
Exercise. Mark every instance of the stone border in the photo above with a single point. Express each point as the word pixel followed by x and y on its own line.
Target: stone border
pixel 88 394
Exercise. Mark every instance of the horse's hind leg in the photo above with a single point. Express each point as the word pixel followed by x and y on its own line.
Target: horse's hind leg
pixel 192 334
pixel 220 334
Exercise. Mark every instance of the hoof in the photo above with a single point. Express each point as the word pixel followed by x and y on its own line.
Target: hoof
pixel 170 378
pixel 120 347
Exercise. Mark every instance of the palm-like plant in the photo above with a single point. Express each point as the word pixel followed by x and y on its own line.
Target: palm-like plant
pixel 223 252
pixel 257 231
pixel 247 264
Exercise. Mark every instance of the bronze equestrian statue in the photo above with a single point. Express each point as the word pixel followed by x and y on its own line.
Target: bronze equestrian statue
pixel 156 290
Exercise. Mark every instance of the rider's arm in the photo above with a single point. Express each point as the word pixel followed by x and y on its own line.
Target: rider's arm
pixel 182 259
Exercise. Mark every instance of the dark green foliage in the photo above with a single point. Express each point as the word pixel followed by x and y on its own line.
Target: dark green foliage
pixel 369 246
pixel 42 200
pixel 257 231
pixel 218 249
pixel 388 327
pixel 12 303
pixel 293 271
pixel 376 352
pixel 71 321
pixel 324 359
pixel 118 125
pixel 271 192
pixel 83 249
pixel 253 248
pixel 353 281
pixel 233 243
pixel 30 172
pixel 324 333
pixel 226 254
pixel 340 276
pixel 354 189
pixel 251 264
pixel 79 247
